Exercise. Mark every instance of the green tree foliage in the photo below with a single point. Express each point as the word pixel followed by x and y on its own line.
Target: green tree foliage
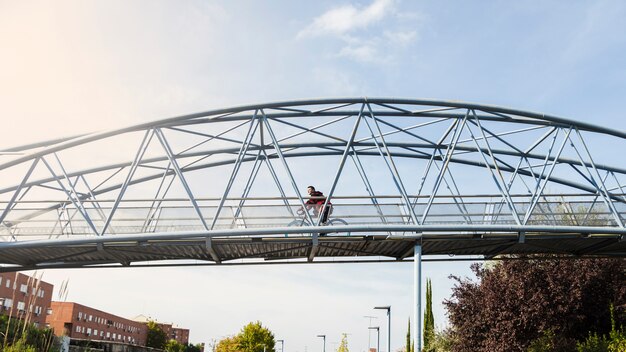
pixel 429 318
pixel 343 345
pixel 228 344
pixel 515 302
pixel 174 346
pixel 193 348
pixel 252 338
pixel 18 335
pixel 408 348
pixel 615 342
pixel 256 338
pixel 19 346
pixel 157 338
pixel 442 341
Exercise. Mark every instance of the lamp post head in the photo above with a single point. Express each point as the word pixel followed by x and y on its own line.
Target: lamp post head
pixel 374 328
pixel 324 336
pixel 387 308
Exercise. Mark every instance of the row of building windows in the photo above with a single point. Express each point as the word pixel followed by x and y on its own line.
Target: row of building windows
pixel 100 320
pixel 23 287
pixel 109 335
pixel 8 303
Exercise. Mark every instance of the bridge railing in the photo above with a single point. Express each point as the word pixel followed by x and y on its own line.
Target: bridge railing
pixel 50 219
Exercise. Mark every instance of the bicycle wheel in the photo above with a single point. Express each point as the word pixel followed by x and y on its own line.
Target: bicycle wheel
pixel 338 222
pixel 297 223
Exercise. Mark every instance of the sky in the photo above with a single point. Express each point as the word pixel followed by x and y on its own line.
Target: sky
pixel 72 67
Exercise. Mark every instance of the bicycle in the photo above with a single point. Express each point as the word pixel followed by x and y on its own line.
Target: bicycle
pixel 305 222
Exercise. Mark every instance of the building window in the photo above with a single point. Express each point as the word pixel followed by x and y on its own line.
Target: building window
pixel 23 288
pixel 8 283
pixel 80 316
pixel 0 280
pixel 49 311
pixel 108 334
pixel 8 303
pixel 90 317
pixel 77 328
pixel 21 306
pixel 88 331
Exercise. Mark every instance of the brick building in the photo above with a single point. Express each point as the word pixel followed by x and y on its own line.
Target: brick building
pixel 82 322
pixel 181 335
pixel 25 297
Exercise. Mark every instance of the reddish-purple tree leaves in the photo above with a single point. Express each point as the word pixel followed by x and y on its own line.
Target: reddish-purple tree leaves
pixel 516 301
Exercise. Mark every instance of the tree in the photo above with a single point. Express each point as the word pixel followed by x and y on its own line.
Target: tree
pixel 429 318
pixel 515 302
pixel 252 338
pixel 19 335
pixel 255 338
pixel 157 338
pixel 228 344
pixel 193 348
pixel 343 345
pixel 408 348
pixel 174 346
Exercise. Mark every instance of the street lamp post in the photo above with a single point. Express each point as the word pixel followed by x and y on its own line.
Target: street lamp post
pixel 282 345
pixel 323 337
pixel 377 336
pixel 388 309
pixel 369 340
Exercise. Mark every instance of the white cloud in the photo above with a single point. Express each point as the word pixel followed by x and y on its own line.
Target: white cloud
pixel 362 53
pixel 350 25
pixel 343 19
pixel 402 38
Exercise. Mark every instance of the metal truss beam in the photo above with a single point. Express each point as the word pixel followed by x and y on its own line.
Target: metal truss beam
pixel 442 141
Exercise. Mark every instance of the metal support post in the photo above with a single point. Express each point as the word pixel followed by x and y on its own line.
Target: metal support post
pixel 10 204
pixel 283 195
pixel 387 157
pixel 284 162
pixel 388 309
pixel 71 194
pixel 458 129
pixel 324 342
pixel 544 182
pixel 417 298
pixel 172 159
pixel 496 179
pixel 377 328
pixel 342 162
pixel 243 150
pixel 147 138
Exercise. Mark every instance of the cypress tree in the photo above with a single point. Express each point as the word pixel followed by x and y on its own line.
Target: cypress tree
pixel 429 318
pixel 408 337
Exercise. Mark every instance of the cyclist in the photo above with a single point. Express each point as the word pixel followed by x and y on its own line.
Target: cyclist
pixel 316 201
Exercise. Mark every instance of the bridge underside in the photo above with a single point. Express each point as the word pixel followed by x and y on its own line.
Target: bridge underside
pixel 332 247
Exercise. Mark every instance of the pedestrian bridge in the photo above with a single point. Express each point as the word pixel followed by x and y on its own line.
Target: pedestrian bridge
pixel 225 186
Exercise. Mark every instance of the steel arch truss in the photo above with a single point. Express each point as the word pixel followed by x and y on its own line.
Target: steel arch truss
pixel 225 186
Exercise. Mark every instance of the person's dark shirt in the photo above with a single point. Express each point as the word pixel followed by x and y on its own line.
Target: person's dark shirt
pixel 317 197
